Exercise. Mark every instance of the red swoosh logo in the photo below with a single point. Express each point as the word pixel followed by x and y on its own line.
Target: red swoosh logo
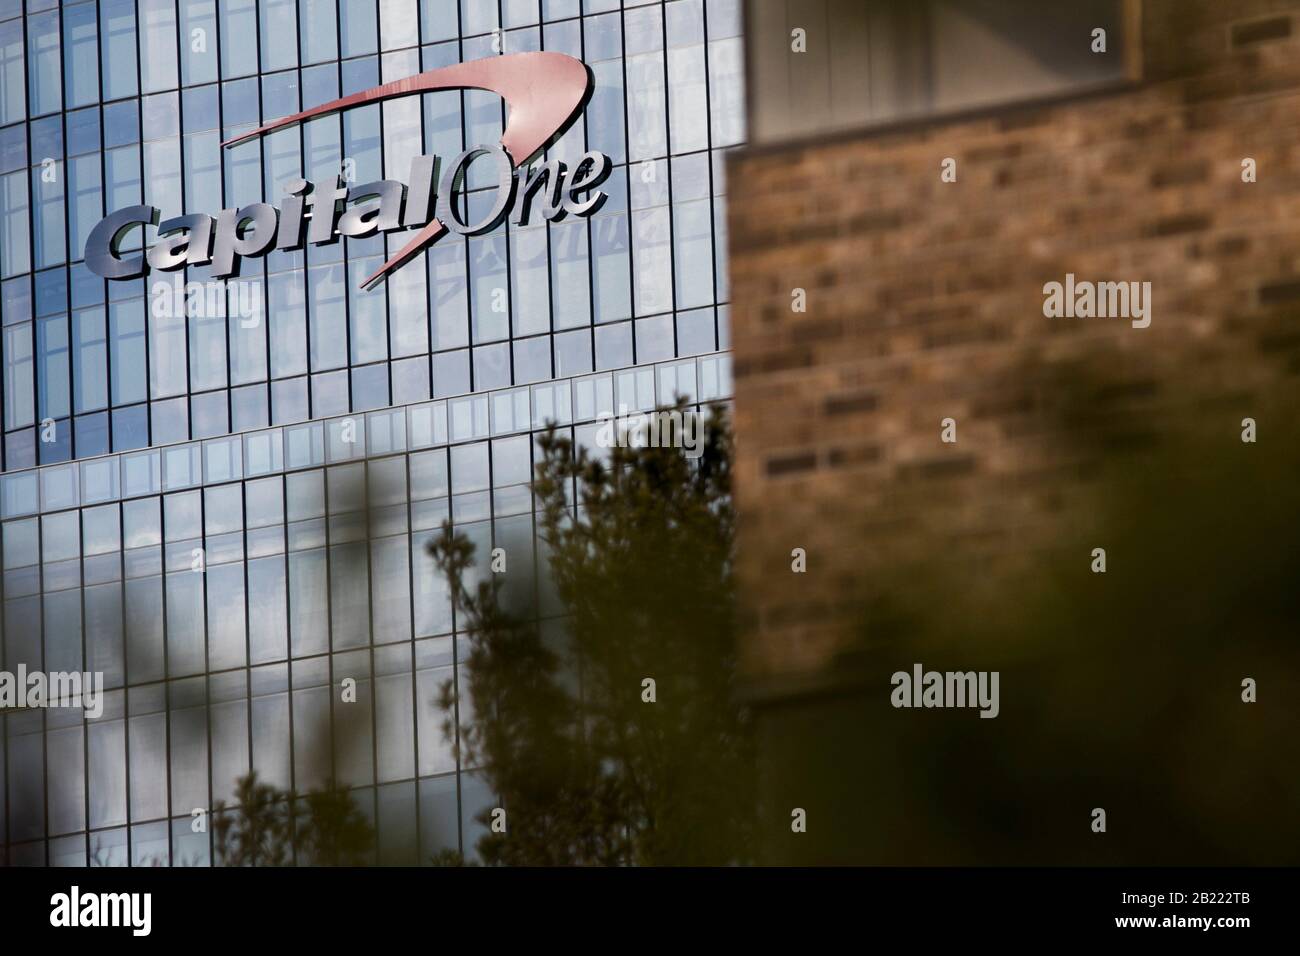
pixel 543 90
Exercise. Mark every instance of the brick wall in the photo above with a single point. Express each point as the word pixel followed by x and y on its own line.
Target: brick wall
pixel 925 302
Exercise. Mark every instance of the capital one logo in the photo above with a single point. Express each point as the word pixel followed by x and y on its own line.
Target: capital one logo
pixel 544 91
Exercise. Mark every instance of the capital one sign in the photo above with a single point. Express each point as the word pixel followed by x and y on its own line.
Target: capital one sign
pixel 545 92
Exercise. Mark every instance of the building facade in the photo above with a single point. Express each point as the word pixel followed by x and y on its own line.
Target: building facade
pixel 220 499
pixel 910 409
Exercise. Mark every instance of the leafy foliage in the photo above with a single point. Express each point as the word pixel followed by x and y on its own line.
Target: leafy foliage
pixel 260 830
pixel 588 769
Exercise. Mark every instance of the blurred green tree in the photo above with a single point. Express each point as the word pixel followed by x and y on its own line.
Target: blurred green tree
pixel 331 829
pixel 256 831
pixel 260 830
pixel 1120 690
pixel 593 763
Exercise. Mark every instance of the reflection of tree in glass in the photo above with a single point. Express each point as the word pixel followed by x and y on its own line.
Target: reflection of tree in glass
pixel 332 831
pixel 257 830
pixel 101 856
pixel 589 769
pixel 260 830
pixel 265 823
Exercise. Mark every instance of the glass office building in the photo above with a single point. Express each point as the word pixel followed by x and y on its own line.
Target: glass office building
pixel 223 507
